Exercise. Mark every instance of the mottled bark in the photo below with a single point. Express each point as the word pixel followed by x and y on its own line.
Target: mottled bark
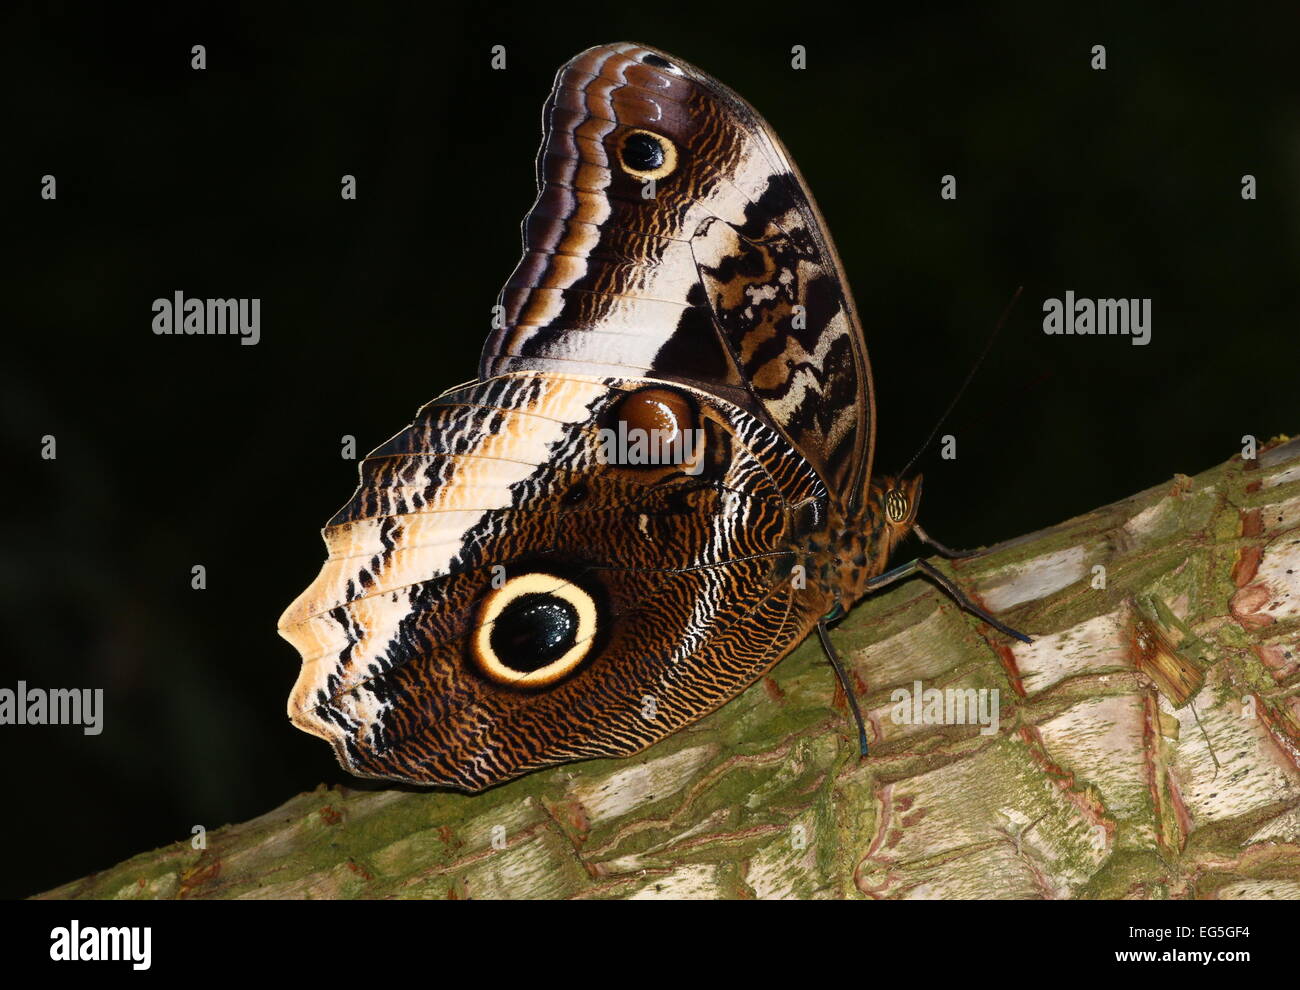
pixel 1148 746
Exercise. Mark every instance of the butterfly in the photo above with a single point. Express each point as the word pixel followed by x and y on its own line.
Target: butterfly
pixel 659 484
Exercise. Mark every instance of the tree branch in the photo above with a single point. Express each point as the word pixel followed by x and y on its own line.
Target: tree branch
pixel 1147 745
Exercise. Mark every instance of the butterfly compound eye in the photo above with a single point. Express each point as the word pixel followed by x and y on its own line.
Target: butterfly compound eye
pixel 533 631
pixel 896 505
pixel 647 156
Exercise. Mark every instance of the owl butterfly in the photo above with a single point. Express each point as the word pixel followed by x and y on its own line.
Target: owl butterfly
pixel 659 484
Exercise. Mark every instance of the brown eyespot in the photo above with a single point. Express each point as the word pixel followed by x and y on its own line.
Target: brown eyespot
pixel 653 427
pixel 646 155
pixel 656 409
pixel 533 631
pixel 896 507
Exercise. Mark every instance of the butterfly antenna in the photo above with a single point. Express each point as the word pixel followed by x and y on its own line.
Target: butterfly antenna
pixel 834 658
pixel 1006 313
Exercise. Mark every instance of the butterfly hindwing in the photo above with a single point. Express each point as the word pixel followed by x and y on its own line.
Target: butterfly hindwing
pixel 669 582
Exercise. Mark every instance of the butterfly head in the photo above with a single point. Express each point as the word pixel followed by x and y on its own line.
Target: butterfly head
pixel 895 502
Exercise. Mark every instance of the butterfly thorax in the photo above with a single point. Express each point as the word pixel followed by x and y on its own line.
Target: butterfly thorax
pixel 841 549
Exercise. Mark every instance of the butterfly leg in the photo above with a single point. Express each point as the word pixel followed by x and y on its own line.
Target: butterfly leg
pixel 944 582
pixel 943 550
pixel 834 658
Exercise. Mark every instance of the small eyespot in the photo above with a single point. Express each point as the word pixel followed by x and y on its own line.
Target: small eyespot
pixel 655 408
pixel 896 507
pixel 575 495
pixel 646 155
pixel 653 427
pixel 533 630
pixel 649 58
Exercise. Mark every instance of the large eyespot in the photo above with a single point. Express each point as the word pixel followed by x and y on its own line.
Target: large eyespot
pixel 533 630
pixel 896 506
pixel 646 155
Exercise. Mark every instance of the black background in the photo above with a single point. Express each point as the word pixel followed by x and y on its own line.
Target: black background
pixel 225 182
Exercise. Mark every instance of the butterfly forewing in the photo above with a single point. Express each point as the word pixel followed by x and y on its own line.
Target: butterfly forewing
pixel 721 272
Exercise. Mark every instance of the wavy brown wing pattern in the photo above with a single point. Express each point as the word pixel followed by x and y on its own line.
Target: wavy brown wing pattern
pixel 674 238
pixel 498 597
